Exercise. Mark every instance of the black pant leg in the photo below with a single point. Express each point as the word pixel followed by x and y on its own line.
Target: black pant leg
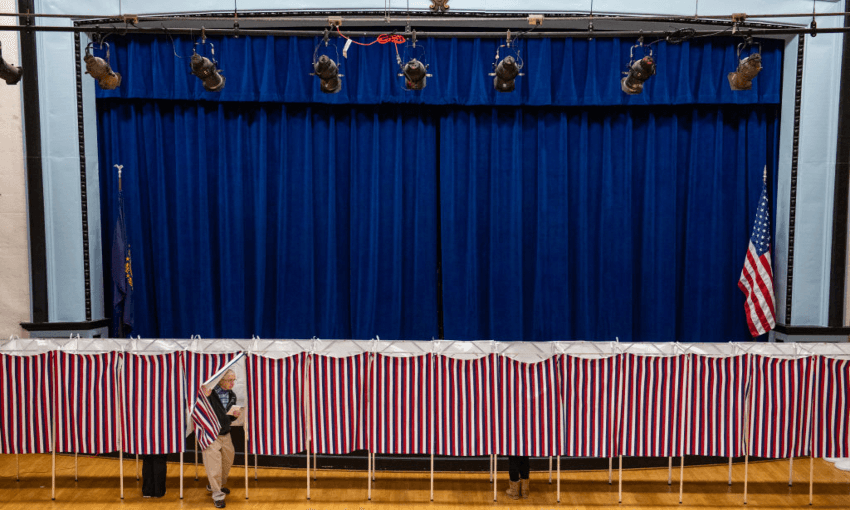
pixel 154 468
pixel 523 467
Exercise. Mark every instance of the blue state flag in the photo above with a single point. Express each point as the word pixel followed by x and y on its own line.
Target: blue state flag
pixel 122 277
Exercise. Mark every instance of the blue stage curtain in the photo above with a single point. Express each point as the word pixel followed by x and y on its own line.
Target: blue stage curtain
pixel 599 223
pixel 279 221
pixel 558 72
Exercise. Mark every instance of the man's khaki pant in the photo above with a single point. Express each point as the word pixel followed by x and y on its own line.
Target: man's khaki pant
pixel 217 461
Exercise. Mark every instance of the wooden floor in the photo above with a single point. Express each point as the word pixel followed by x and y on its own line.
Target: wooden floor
pixel 705 487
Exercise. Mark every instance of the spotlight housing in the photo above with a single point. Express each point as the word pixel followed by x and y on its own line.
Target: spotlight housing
pixel 415 74
pixel 206 70
pixel 639 71
pixel 505 76
pixel 748 68
pixel 11 74
pixel 328 72
pixel 100 70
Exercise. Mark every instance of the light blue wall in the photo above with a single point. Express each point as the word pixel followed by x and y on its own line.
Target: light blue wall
pixel 816 158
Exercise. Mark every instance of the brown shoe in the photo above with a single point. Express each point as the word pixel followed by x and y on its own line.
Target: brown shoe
pixel 525 489
pixel 513 490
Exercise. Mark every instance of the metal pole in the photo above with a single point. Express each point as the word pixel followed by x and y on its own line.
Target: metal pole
pixel 669 470
pixel 730 470
pixel 256 462
pixel 137 467
pixel 121 467
pixel 181 472
pixel 308 470
pixel 550 470
pixel 790 471
pixel 746 469
pixel 491 468
pixel 76 468
pixel 314 463
pixel 558 484
pixel 373 466
pixel 495 476
pixel 811 477
pixel 17 469
pixel 432 476
pixel 610 470
pixel 196 456
pixel 246 459
pixel 621 479
pixel 681 479
pixel 369 475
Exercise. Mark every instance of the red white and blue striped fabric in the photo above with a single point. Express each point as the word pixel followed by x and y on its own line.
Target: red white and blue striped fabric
pixel 25 403
pixel 276 404
pixel 401 404
pixel 200 367
pixel 86 404
pixel 652 421
pixel 718 406
pixel 831 436
pixel 338 403
pixel 781 396
pixel 465 400
pixel 529 409
pixel 153 395
pixel 590 395
pixel 207 425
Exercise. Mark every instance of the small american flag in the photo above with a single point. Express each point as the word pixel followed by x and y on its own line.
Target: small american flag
pixel 756 281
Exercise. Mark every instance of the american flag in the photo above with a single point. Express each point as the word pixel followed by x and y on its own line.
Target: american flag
pixel 756 281
pixel 206 422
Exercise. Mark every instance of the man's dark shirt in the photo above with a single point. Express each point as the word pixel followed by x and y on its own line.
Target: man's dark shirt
pixel 221 411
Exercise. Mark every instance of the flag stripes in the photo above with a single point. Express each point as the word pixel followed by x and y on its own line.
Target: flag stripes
pixel 780 407
pixel 86 389
pixel 590 395
pixel 276 404
pixel 831 435
pixel 651 423
pixel 25 403
pixel 401 404
pixel 529 409
pixel 718 406
pixel 465 401
pixel 200 367
pixel 207 424
pixel 153 393
pixel 338 403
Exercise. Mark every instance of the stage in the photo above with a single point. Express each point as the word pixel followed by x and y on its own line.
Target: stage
pixel 704 487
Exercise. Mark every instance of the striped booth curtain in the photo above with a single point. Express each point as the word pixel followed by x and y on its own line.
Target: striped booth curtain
pixel 153 404
pixel 652 421
pixel 590 395
pixel 529 408
pixel 25 403
pixel 276 404
pixel 87 398
pixel 338 403
pixel 401 404
pixel 715 426
pixel 780 413
pixel 831 413
pixel 199 367
pixel 465 400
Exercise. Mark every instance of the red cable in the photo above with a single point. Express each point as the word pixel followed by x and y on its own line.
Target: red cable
pixel 382 39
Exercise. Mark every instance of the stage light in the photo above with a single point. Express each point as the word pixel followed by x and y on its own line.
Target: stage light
pixel 328 72
pixel 414 75
pixel 507 69
pixel 100 70
pixel 206 70
pixel 639 72
pixel 8 72
pixel 506 72
pixel 748 68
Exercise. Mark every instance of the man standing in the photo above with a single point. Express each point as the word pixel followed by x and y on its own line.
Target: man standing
pixel 218 457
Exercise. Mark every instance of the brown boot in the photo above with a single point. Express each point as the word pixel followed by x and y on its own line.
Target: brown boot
pixel 513 490
pixel 525 490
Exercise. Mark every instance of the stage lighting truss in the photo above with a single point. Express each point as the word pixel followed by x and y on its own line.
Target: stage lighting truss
pixel 506 70
pixel 206 69
pixel 325 67
pixel 11 74
pixel 99 68
pixel 748 67
pixel 412 66
pixel 638 70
